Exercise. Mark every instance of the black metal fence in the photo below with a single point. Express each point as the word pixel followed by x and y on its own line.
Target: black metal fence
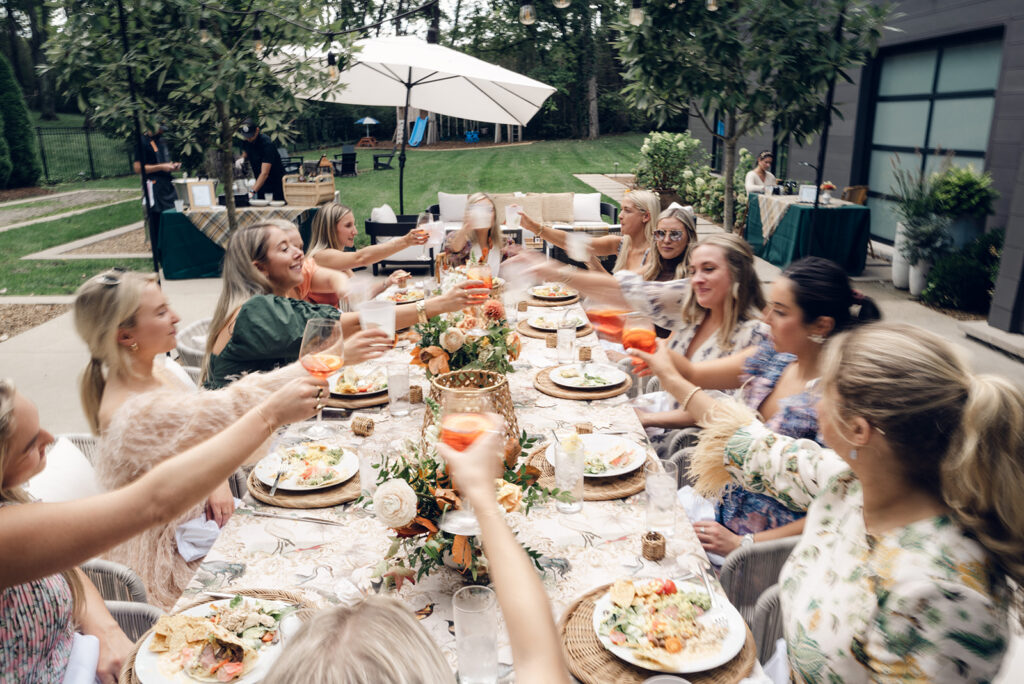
pixel 70 154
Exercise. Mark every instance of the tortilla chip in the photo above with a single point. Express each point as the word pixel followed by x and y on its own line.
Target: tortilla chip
pixel 174 632
pixel 622 593
pixel 657 655
pixel 216 633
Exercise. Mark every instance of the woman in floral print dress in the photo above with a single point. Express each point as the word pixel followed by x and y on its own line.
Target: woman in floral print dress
pixel 913 552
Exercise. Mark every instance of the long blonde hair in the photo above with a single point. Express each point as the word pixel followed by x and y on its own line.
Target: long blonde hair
pixel 647 201
pixel 8 426
pixel 324 234
pixel 376 641
pixel 654 264
pixel 745 300
pixel 241 280
pixel 495 227
pixel 957 435
pixel 105 304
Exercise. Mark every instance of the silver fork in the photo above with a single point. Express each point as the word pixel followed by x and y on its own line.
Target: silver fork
pixel 719 620
pixel 277 480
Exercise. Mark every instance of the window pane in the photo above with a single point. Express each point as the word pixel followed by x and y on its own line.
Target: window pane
pixel 908 74
pixel 883 219
pixel 934 163
pixel 962 124
pixel 900 123
pixel 970 67
pixel 880 177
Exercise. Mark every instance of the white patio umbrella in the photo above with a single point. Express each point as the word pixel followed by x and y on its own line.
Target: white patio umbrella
pixel 368 121
pixel 405 71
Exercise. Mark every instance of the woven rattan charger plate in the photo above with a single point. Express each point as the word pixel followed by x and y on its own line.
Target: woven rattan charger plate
pixel 306 610
pixel 319 498
pixel 543 382
pixel 592 663
pixel 528 330
pixel 533 301
pixel 594 488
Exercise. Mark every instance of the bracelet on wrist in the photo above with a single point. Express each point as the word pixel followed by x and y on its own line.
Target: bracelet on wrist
pixel 266 421
pixel 689 396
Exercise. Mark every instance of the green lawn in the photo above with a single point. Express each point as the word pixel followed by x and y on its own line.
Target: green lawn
pixel 36 277
pixel 539 167
pixel 62 121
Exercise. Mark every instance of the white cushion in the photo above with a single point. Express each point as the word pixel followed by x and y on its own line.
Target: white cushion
pixel 586 207
pixel 68 475
pixel 451 207
pixel 383 214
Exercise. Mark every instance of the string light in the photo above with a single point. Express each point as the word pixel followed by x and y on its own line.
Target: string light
pixel 332 66
pixel 712 5
pixel 204 31
pixel 562 4
pixel 636 13
pixel 527 13
pixel 257 38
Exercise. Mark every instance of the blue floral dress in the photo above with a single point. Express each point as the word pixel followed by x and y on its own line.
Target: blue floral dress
pixel 741 510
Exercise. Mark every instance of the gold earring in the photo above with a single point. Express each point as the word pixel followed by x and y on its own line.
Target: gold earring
pixel 134 346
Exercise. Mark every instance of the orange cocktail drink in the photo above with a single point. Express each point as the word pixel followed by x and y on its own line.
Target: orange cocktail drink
pixel 321 365
pixel 460 430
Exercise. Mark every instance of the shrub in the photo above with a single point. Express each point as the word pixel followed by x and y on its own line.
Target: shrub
pixel 5 155
pixel 25 166
pixel 664 159
pixel 963 192
pixel 965 280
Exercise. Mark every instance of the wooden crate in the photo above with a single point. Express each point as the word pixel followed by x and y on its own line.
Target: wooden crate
pixel 310 193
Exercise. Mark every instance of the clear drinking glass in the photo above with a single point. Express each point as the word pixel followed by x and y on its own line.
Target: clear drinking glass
pixel 512 217
pixel 321 354
pixel 463 420
pixel 638 333
pixel 422 221
pixel 481 272
pixel 475 611
pixel 566 337
pixel 569 476
pixel 661 496
pixel 398 389
pixel 377 315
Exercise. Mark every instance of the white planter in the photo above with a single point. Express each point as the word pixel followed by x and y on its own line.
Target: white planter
pixel 900 267
pixel 919 277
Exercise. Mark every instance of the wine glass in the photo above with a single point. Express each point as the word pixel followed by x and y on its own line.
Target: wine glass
pixel 321 354
pixel 422 221
pixel 463 420
pixel 481 272
pixel 638 333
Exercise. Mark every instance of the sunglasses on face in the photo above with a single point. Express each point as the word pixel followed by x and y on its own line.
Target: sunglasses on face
pixel 671 235
pixel 112 277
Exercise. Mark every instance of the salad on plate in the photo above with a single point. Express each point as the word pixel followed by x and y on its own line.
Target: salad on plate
pixel 589 376
pixel 406 296
pixel 552 322
pixel 309 465
pixel 351 380
pixel 553 291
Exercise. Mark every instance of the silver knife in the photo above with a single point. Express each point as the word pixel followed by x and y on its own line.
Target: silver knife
pixel 277 481
pixel 298 518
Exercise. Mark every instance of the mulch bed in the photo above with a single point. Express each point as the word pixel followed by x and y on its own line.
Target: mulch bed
pixel 130 243
pixel 23 193
pixel 17 318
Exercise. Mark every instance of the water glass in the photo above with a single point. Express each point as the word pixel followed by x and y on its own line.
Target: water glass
pixel 475 611
pixel 377 315
pixel 569 477
pixel 566 337
pixel 370 460
pixel 179 206
pixel 512 217
pixel 661 496
pixel 398 389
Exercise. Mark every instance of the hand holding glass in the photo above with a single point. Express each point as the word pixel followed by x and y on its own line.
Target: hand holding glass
pixel 463 420
pixel 321 354
pixel 422 221
pixel 638 333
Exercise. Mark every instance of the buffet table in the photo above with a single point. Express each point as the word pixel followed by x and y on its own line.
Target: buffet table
pixel 328 564
pixel 192 242
pixel 782 230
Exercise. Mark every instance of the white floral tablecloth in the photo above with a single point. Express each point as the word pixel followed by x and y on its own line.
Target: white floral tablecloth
pixel 330 564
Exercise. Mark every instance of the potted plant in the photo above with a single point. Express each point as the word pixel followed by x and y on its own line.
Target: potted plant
pixel 913 205
pixel 664 158
pixel 924 243
pixel 965 197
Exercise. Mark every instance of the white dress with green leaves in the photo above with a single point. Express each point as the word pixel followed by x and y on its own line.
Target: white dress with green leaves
pixel 917 603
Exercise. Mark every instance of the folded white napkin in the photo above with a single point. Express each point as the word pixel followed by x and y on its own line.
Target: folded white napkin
pixel 195 537
pixel 777 667
pixel 84 658
pixel 698 509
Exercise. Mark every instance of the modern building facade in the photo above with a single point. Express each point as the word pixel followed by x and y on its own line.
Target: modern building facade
pixel 950 78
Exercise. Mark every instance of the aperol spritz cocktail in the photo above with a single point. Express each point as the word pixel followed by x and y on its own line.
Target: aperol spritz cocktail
pixel 321 354
pixel 638 333
pixel 607 322
pixel 464 419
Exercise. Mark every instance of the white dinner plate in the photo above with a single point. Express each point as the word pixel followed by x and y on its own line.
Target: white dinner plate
pixel 414 294
pixel 266 470
pixel 551 323
pixel 727 649
pixel 148 665
pixel 332 381
pixel 569 293
pixel 277 203
pixel 258 202
pixel 595 444
pixel 563 377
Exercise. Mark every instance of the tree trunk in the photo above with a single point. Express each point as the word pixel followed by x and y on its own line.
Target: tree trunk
pixel 227 175
pixel 730 139
pixel 595 125
pixel 38 18
pixel 455 23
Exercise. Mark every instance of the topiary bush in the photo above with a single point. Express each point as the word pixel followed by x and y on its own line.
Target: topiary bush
pixel 21 142
pixel 965 280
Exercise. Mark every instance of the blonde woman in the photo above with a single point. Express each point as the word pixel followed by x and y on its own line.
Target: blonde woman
pixel 913 555
pixel 479 238
pixel 356 644
pixel 256 326
pixel 333 231
pixel 145 413
pixel 674 237
pixel 639 212
pixel 42 594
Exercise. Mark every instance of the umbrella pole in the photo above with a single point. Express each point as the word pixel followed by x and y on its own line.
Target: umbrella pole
pixel 401 154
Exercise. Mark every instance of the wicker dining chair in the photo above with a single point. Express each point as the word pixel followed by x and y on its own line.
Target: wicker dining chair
pixel 134 619
pixel 115 582
pixel 192 342
pixel 83 441
pixel 749 570
pixel 767 625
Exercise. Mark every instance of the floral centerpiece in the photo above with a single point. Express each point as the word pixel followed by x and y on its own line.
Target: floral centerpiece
pixel 828 185
pixel 447 342
pixel 414 489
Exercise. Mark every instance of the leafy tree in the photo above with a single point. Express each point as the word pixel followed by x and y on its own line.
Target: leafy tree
pixel 199 71
pixel 5 155
pixel 752 62
pixel 21 143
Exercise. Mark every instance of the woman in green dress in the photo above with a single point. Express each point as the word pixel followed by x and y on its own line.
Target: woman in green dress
pixel 257 327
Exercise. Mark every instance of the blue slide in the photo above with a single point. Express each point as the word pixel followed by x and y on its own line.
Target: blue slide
pixel 417 131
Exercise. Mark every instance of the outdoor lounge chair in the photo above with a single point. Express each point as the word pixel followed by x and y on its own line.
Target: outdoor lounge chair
pixel 345 164
pixel 406 222
pixel 192 342
pixel 383 160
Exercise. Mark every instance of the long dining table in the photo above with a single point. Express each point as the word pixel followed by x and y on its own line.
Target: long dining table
pixel 329 564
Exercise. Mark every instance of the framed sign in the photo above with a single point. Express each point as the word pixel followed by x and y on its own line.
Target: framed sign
pixel 200 195
pixel 808 193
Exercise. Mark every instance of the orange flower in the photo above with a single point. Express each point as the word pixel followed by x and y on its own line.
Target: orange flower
pixel 468 322
pixel 435 359
pixel 514 345
pixel 446 497
pixel 462 552
pixel 509 495
pixel 494 310
pixel 419 525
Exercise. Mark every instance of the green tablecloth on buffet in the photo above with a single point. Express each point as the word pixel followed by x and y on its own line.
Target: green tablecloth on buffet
pixel 839 233
pixel 187 252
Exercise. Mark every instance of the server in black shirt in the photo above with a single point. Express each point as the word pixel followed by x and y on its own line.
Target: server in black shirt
pixel 158 171
pixel 265 161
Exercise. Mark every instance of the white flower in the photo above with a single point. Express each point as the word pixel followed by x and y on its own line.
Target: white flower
pixel 430 436
pixel 688 173
pixel 452 340
pixel 394 502
pixel 699 182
